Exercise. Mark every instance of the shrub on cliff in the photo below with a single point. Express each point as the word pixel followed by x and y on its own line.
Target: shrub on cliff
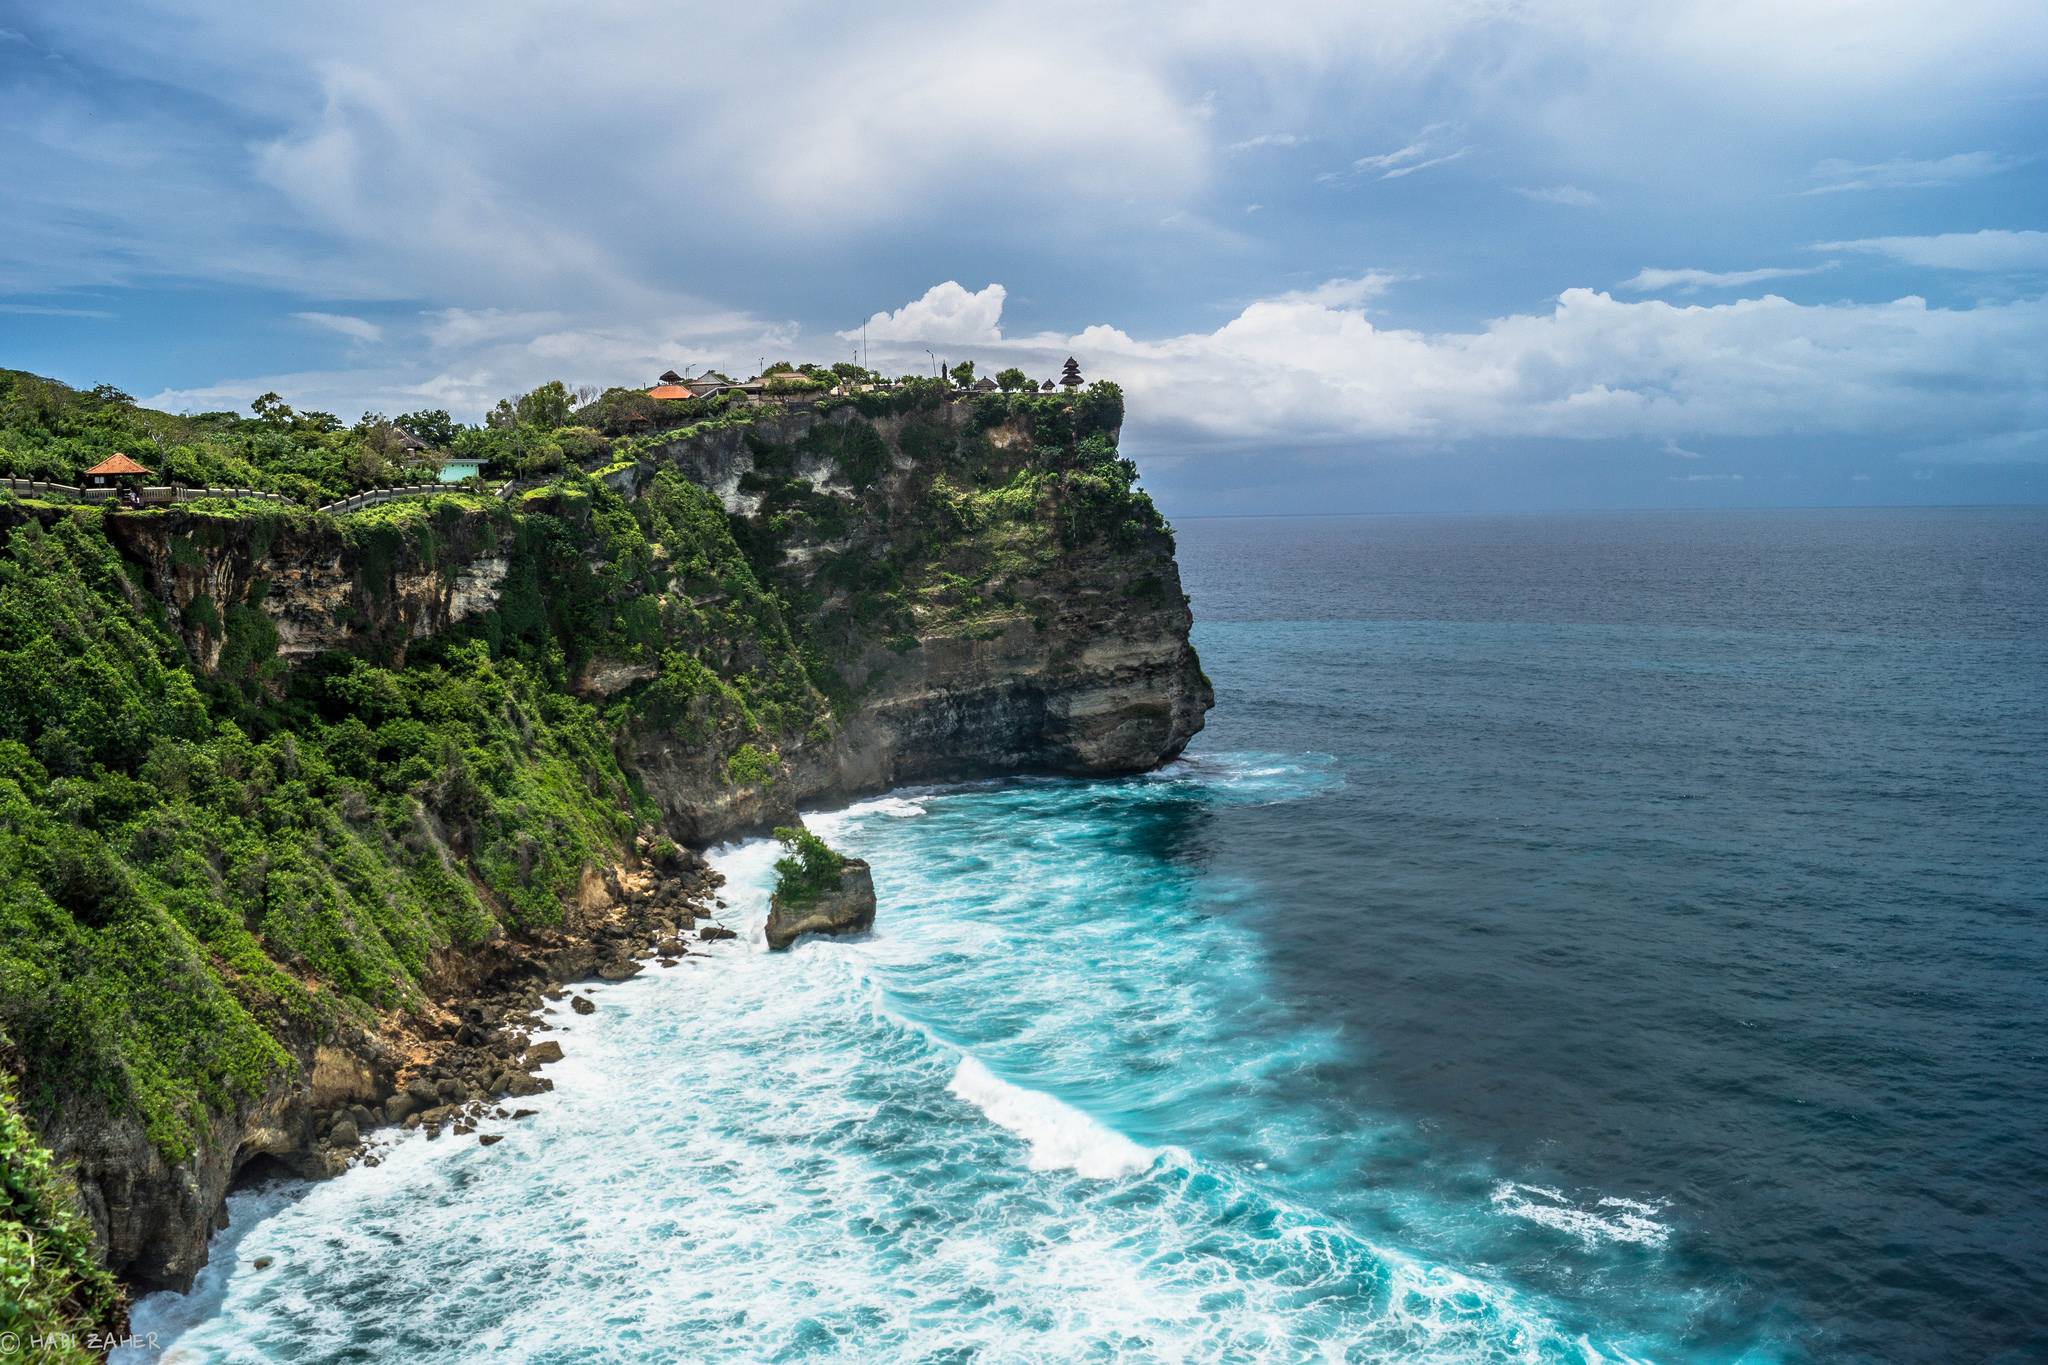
pixel 752 767
pixel 51 1286
pixel 807 870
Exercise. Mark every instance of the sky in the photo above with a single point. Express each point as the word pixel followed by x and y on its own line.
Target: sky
pixel 1408 256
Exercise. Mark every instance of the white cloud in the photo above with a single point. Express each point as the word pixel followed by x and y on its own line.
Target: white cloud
pixel 1425 151
pixel 1410 169
pixel 1704 478
pixel 354 328
pixel 1344 293
pixel 470 360
pixel 1650 279
pixel 1311 368
pixel 1991 250
pixel 47 310
pixel 1836 176
pixel 1673 448
pixel 458 327
pixel 946 313
pixel 1569 196
pixel 1269 140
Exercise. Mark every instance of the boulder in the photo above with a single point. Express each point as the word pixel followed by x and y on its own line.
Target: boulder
pixel 847 909
pixel 344 1134
pixel 583 1004
pixel 711 933
pixel 618 971
pixel 540 1054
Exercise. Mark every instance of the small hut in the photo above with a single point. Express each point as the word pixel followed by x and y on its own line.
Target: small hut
pixel 985 385
pixel 1070 374
pixel 668 391
pixel 116 471
pixel 670 377
pixel 1046 387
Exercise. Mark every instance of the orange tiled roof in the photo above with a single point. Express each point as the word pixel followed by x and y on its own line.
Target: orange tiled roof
pixel 668 391
pixel 116 463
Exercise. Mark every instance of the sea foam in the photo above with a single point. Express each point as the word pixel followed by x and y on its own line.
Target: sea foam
pixel 1608 1219
pixel 1061 1137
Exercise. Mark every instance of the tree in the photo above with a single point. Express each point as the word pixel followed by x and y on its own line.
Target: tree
pixel 963 374
pixel 431 425
pixel 1100 409
pixel 271 408
pixel 808 870
pixel 1012 379
pixel 546 406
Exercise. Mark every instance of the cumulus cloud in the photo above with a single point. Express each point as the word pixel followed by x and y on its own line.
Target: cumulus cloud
pixel 354 328
pixel 1651 280
pixel 947 313
pixel 1836 176
pixel 1991 250
pixel 1311 367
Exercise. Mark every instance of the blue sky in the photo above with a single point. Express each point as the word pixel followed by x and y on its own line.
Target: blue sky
pixel 1358 257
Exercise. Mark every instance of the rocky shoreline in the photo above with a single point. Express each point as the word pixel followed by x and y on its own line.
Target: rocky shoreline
pixel 459 1063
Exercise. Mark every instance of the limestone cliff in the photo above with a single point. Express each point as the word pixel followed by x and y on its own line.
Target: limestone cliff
pixel 792 612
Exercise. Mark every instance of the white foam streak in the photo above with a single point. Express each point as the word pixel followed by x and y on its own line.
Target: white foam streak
pixel 1061 1137
pixel 1609 1219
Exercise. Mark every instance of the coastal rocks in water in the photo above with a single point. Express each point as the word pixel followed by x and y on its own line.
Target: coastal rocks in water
pixel 540 1054
pixel 711 933
pixel 847 909
pixel 583 1004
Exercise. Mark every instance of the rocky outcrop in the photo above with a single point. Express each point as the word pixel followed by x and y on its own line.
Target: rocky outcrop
pixel 848 908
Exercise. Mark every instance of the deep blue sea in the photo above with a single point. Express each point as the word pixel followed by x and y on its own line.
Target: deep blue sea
pixel 1576 938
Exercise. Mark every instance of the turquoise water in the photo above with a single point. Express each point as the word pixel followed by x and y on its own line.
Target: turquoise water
pixel 1018 1120
pixel 1575 939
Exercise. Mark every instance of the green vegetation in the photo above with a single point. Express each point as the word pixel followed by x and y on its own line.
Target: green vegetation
pixel 209 857
pixel 808 869
pixel 51 1287
pixel 180 859
pixel 752 767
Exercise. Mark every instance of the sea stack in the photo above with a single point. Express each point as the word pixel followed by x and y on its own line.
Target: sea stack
pixel 848 908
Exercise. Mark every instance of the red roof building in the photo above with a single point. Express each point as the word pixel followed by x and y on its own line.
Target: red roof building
pixel 669 391
pixel 116 463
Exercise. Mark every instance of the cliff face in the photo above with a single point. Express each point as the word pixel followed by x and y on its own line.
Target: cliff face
pixel 976 634
pixel 799 611
pixel 319 586
pixel 997 644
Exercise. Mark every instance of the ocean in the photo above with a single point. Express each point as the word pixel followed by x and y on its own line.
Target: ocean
pixel 1575 938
